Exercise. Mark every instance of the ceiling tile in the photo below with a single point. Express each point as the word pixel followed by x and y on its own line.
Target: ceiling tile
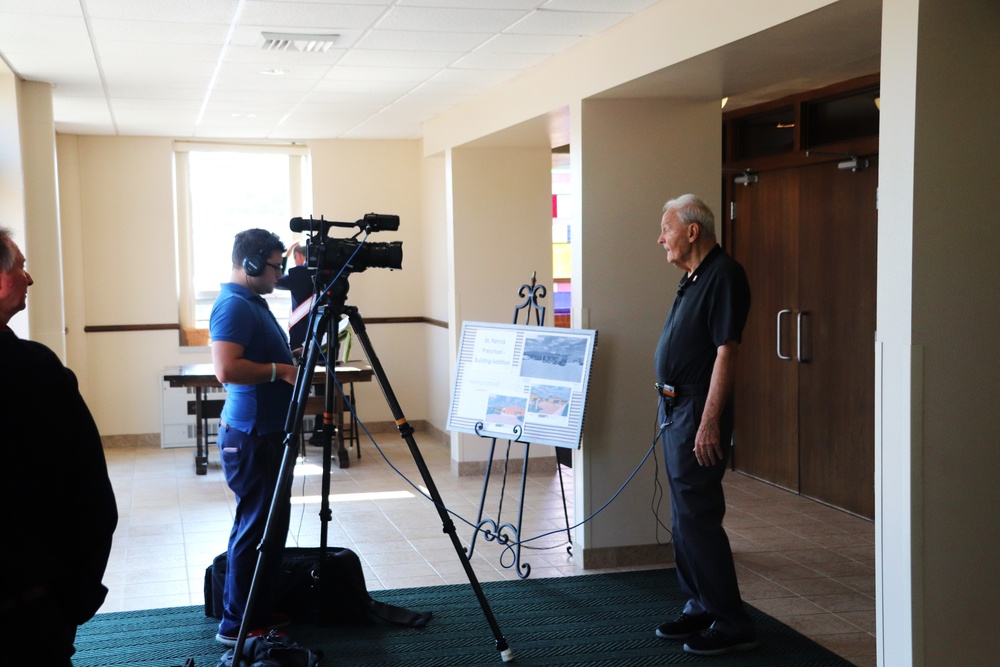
pixel 566 23
pixel 401 59
pixel 159 32
pixel 178 11
pixel 408 40
pixel 449 20
pixel 308 15
pixel 625 6
pixel 502 61
pixel 550 44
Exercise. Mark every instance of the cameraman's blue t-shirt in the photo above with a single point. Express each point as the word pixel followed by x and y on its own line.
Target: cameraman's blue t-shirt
pixel 240 316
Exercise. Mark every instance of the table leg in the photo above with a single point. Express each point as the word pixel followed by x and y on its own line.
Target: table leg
pixel 343 456
pixel 201 436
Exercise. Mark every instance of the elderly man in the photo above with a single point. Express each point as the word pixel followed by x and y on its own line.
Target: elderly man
pixel 252 359
pixel 60 507
pixel 695 364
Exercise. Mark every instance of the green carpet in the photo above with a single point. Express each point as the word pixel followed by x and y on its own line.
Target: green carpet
pixel 591 620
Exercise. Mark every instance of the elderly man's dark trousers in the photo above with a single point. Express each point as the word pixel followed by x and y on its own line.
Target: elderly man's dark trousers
pixel 702 553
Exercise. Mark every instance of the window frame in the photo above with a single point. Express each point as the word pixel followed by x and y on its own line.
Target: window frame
pixel 189 299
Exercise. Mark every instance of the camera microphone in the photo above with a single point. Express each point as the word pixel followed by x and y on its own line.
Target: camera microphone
pixel 307 224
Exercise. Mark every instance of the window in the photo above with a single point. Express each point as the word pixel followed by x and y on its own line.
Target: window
pixel 222 190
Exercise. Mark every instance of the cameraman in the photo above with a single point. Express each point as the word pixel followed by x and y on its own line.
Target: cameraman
pixel 253 361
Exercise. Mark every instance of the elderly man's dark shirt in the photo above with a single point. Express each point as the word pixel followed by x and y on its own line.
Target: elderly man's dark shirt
pixel 710 309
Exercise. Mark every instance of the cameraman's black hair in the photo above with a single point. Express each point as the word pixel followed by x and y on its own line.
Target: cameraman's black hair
pixel 255 242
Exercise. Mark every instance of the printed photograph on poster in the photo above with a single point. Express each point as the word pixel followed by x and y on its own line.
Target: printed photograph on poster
pixel 519 382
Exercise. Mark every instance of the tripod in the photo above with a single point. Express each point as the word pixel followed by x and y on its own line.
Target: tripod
pixel 328 309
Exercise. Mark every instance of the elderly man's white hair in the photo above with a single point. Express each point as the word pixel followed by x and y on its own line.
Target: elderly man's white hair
pixel 690 208
pixel 6 255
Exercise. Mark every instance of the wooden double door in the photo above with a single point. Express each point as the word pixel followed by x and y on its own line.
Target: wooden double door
pixel 806 376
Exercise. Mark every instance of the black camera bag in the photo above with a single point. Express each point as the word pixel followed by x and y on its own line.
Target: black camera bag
pixel 341 596
pixel 272 650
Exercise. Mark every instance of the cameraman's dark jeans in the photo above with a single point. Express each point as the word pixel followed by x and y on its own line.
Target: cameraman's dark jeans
pixel 251 464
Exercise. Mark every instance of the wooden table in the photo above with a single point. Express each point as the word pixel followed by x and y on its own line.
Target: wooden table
pixel 202 376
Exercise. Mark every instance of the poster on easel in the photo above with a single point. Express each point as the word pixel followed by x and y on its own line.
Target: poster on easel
pixel 524 383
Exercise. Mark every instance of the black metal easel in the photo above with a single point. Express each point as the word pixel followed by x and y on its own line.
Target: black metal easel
pixel 329 306
pixel 508 534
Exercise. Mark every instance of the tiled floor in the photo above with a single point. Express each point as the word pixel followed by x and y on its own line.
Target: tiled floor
pixel 806 564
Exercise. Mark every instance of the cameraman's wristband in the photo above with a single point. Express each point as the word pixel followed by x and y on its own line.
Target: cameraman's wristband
pixel 274 371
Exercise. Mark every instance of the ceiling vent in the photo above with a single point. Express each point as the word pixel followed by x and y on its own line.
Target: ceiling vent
pixel 289 41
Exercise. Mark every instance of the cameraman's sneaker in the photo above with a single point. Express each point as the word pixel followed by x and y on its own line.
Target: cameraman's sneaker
pixel 230 641
pixel 712 642
pixel 683 626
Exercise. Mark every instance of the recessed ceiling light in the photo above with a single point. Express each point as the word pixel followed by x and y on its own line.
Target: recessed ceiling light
pixel 274 71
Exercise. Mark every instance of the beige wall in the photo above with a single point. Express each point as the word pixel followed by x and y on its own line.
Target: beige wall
pixel 500 226
pixel 435 272
pixel 350 179
pixel 11 173
pixel 41 208
pixel 117 202
pixel 632 156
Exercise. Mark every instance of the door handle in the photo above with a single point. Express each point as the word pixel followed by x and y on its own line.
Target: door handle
pixel 798 338
pixel 784 311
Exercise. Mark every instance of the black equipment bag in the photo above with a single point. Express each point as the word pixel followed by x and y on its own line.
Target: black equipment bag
pixel 341 596
pixel 272 650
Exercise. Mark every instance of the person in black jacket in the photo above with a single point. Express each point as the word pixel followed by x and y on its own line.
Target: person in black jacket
pixel 298 281
pixel 60 507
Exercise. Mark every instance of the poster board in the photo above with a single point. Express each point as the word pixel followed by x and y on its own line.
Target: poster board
pixel 520 382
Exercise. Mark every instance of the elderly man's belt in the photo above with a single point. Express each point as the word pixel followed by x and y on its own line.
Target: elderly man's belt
pixel 681 390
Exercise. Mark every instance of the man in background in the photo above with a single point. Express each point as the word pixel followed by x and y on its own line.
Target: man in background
pixel 299 283
pixel 252 359
pixel 695 364
pixel 54 483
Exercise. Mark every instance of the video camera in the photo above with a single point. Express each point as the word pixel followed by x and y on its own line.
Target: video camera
pixel 327 254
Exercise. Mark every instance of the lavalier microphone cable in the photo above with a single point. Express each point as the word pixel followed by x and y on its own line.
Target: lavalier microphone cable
pixel 508 544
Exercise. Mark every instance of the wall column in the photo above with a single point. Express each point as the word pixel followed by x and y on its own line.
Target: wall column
pixel 12 174
pixel 500 231
pixel 41 210
pixel 937 448
pixel 629 157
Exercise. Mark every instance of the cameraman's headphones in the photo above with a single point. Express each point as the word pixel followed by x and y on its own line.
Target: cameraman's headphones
pixel 254 265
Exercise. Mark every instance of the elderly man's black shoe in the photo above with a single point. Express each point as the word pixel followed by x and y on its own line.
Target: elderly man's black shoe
pixel 713 642
pixel 683 627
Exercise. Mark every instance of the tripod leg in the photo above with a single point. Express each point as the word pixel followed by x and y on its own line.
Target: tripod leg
pixel 283 487
pixel 406 431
